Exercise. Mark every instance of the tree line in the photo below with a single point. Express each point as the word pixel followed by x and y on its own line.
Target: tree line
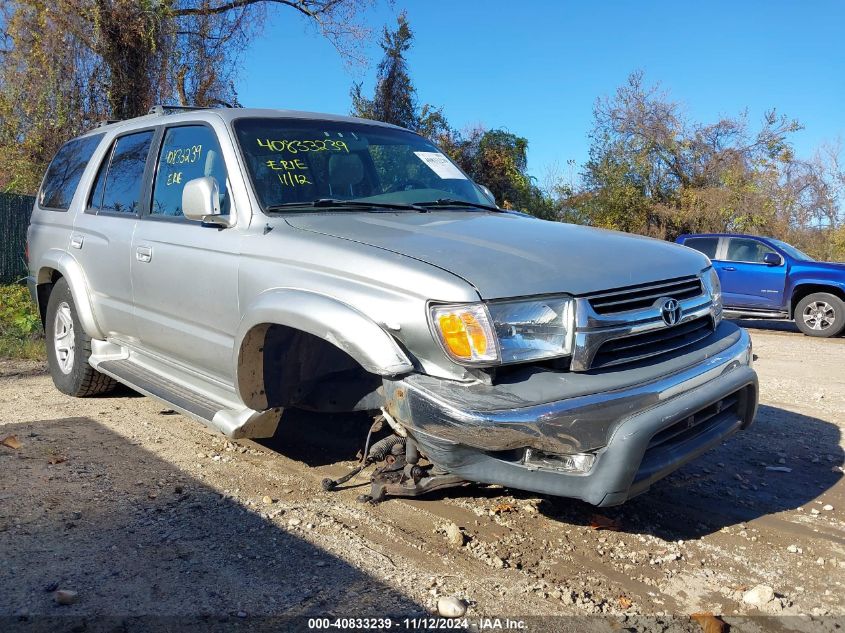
pixel 650 170
pixel 67 64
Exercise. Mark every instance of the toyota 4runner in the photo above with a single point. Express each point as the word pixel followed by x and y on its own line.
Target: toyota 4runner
pixel 235 263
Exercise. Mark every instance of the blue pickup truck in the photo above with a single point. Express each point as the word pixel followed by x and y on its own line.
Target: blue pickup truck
pixel 766 278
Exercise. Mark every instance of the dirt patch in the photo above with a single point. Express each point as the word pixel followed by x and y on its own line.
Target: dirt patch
pixel 145 512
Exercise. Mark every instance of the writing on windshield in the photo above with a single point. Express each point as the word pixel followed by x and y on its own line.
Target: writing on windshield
pixel 293 160
pixel 294 146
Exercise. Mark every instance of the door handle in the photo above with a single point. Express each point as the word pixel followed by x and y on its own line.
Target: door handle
pixel 144 254
pixel 729 268
pixel 76 240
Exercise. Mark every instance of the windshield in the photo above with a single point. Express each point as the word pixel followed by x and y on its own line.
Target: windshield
pixel 793 252
pixel 304 161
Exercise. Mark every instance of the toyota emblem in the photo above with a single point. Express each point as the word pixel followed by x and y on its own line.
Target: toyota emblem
pixel 670 310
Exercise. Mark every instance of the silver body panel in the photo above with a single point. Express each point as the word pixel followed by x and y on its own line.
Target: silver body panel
pixel 186 293
pixel 506 255
pixel 102 246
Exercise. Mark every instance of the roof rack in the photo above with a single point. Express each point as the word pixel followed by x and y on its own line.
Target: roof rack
pixel 106 122
pixel 161 110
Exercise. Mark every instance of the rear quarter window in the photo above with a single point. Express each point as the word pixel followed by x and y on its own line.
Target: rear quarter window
pixel 706 245
pixel 65 172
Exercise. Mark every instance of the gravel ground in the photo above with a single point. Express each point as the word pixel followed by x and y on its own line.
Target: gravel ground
pixel 141 511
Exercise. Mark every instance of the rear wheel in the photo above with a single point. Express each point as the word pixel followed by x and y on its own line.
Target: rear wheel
pixel 68 348
pixel 820 314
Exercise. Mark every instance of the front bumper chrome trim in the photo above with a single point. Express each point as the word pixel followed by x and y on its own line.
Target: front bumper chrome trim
pixel 457 433
pixel 576 424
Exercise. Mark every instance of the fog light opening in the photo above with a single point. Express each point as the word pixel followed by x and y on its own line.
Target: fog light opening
pixel 575 463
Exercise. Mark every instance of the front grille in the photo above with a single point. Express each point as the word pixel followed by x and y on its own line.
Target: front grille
pixel 631 349
pixel 644 295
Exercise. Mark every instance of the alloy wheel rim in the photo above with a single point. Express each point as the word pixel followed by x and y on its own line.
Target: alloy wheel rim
pixel 64 341
pixel 819 315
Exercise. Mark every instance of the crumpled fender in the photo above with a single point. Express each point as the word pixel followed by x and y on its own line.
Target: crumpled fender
pixel 55 259
pixel 324 317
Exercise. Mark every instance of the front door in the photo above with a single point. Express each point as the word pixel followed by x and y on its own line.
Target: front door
pixel 185 273
pixel 747 281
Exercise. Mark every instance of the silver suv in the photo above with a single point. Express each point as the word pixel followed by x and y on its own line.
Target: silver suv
pixel 235 263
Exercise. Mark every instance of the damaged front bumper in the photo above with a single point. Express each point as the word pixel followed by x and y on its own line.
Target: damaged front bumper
pixel 601 436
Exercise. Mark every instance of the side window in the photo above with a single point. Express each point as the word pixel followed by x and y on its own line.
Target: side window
pixel 120 179
pixel 187 152
pixel 706 245
pixel 745 250
pixel 96 199
pixel 65 171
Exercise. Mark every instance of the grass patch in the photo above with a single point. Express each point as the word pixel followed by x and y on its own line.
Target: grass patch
pixel 21 335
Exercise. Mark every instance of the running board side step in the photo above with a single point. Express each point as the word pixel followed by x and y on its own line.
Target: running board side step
pixel 758 314
pixel 234 422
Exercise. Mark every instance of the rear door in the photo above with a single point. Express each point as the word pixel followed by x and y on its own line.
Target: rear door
pixel 747 281
pixel 185 273
pixel 102 234
pixel 707 244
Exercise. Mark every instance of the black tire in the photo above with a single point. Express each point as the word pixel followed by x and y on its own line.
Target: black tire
pixel 820 314
pixel 70 370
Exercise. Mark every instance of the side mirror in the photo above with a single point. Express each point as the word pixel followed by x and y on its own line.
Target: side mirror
pixel 201 200
pixel 772 259
pixel 487 194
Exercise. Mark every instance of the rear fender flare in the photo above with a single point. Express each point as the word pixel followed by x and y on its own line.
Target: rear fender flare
pixel 70 269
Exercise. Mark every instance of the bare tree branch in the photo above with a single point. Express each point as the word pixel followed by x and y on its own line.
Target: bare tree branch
pixel 300 6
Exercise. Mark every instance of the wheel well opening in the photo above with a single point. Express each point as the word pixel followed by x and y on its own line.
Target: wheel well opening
pixel 808 289
pixel 47 278
pixel 280 366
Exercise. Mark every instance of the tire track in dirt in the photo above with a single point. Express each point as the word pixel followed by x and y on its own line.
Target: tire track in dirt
pixel 772 524
pixel 410 514
pixel 405 528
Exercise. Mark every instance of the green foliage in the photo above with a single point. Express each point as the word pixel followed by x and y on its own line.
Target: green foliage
pixel 498 159
pixel 20 324
pixel 495 158
pixel 394 100
pixel 67 64
pixel 655 172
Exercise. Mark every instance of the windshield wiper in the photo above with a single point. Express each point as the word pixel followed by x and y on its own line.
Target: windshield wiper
pixel 451 202
pixel 335 203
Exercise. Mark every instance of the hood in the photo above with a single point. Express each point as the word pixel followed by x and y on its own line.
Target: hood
pixel 507 255
pixel 835 267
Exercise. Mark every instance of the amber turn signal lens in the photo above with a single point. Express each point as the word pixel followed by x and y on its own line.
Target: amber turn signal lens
pixel 465 332
pixel 462 333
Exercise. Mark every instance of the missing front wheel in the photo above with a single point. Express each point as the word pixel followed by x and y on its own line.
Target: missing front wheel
pixel 402 471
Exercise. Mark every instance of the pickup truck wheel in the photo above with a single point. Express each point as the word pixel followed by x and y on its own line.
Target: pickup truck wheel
pixel 68 348
pixel 820 314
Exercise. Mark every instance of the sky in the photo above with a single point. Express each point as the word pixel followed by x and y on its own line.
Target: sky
pixel 536 68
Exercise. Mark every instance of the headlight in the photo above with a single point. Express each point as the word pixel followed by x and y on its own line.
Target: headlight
pixel 506 331
pixel 714 288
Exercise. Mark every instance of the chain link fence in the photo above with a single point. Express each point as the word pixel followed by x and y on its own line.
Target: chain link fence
pixel 15 210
